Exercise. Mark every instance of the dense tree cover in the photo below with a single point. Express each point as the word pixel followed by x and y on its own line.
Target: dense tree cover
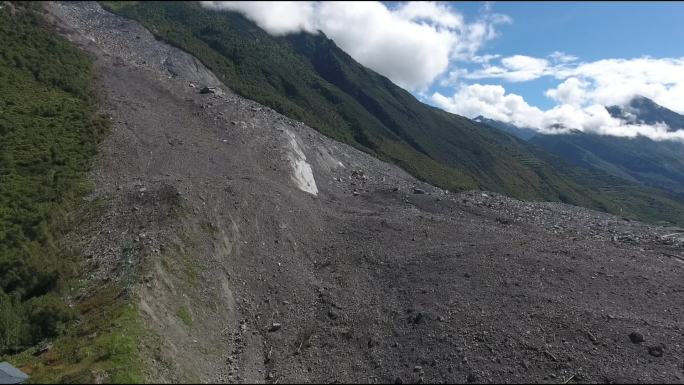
pixel 49 132
pixel 308 78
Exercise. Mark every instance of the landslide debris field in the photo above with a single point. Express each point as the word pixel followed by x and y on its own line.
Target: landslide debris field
pixel 260 251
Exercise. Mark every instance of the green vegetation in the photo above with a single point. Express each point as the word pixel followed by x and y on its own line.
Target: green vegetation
pixel 184 315
pixel 308 78
pixel 49 132
pixel 640 159
pixel 104 347
pixel 178 260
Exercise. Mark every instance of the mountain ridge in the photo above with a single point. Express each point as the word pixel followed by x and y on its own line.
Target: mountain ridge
pixel 308 78
pixel 642 110
pixel 652 163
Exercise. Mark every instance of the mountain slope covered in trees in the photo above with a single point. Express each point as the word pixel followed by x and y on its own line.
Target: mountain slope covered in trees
pixel 49 131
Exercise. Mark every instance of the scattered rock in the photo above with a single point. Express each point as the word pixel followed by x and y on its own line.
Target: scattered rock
pixel 418 191
pixel 636 337
pixel 656 351
pixel 332 314
pixel 592 338
pixel 274 327
pixel 210 90
pixel 419 318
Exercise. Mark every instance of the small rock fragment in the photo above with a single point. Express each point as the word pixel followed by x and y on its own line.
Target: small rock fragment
pixel 636 337
pixel 274 327
pixel 656 351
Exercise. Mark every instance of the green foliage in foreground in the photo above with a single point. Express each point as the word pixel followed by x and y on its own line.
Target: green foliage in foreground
pixel 103 348
pixel 308 78
pixel 49 132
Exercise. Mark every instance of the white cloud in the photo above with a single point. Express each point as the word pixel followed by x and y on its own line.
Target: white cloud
pixel 416 43
pixel 412 44
pixel 562 57
pixel 607 82
pixel 490 101
pixel 481 59
pixel 493 102
pixel 276 17
pixel 572 91
pixel 432 13
pixel 615 81
pixel 516 68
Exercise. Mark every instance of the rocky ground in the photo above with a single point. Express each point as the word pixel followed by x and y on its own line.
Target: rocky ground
pixel 262 251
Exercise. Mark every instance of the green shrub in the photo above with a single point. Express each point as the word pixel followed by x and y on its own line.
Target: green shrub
pixel 47 316
pixel 49 132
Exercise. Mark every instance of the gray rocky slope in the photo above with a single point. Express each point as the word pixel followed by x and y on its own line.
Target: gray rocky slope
pixel 299 259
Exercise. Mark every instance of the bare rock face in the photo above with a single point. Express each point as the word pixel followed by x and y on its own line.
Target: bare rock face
pixel 245 220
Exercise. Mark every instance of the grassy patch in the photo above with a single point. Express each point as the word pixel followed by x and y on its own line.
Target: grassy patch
pixel 184 315
pixel 103 347
pixel 178 257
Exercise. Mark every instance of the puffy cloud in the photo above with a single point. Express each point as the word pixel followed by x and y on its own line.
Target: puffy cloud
pixel 412 43
pixel 276 17
pixel 433 13
pixel 584 89
pixel 517 68
pixel 615 81
pixel 607 82
pixel 481 59
pixel 572 91
pixel 416 43
pixel 562 57
pixel 490 101
pixel 493 102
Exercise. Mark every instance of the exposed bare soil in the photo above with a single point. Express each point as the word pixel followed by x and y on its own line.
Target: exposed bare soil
pixel 246 275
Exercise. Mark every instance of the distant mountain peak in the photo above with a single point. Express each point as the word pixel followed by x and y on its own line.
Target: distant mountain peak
pixel 642 110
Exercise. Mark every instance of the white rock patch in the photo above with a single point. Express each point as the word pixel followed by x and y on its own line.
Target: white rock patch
pixel 302 174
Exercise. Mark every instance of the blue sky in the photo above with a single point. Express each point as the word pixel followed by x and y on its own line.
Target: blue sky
pixel 542 65
pixel 589 30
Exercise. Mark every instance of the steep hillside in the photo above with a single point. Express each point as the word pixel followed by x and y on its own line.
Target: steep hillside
pixel 642 160
pixel 257 250
pixel 49 133
pixel 524 133
pixel 308 78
